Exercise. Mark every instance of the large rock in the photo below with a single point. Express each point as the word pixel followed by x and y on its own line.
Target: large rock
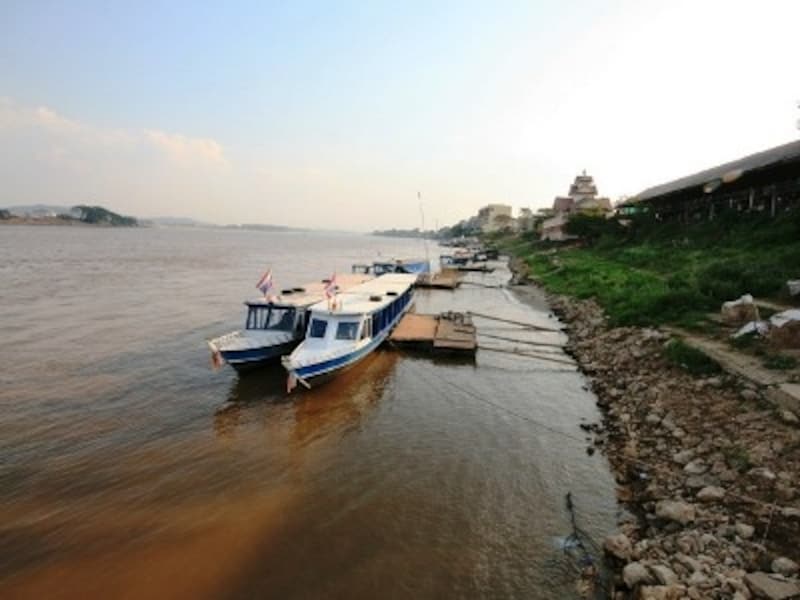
pixel 744 531
pixel 785 566
pixel 770 586
pixel 618 546
pixel 664 575
pixel 695 467
pixel 791 513
pixel 675 510
pixel 711 493
pixel 636 573
pixel 762 473
pixel 663 592
pixel 738 312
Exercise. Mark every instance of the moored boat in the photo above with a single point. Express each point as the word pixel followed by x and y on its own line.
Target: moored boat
pixel 274 325
pixel 395 265
pixel 346 329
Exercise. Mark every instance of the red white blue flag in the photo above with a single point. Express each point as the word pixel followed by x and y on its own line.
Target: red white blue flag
pixel 265 283
pixel 330 287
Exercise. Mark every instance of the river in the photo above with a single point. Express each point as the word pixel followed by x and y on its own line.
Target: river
pixel 130 469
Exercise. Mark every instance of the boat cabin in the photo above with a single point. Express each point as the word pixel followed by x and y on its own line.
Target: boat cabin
pixel 352 326
pixel 275 317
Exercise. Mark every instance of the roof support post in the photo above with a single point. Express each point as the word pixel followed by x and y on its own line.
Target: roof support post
pixel 772 203
pixel 750 199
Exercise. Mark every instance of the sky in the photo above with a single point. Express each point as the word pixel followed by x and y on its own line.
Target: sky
pixel 336 115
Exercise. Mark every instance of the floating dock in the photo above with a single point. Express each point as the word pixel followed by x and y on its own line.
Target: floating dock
pixel 449 332
pixel 446 279
pixel 479 268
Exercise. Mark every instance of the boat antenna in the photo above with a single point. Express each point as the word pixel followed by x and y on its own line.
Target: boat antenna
pixel 424 237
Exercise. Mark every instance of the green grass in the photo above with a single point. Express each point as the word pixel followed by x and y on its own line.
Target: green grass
pixel 737 458
pixel 690 359
pixel 654 273
pixel 779 362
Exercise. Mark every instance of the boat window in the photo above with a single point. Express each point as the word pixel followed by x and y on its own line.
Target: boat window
pixel 280 319
pixel 318 328
pixel 381 268
pixel 347 330
pixel 256 317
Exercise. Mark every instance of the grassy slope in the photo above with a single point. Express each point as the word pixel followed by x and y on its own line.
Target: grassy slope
pixel 656 273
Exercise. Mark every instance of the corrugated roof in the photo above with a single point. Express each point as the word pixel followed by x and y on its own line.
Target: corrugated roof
pixel 759 160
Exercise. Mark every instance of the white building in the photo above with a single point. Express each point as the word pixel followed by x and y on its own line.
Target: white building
pixel 582 198
pixel 494 217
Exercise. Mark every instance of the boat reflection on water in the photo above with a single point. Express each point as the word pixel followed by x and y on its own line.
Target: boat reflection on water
pixel 268 382
pixel 327 411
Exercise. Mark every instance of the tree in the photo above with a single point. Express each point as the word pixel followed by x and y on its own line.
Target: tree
pixel 96 215
pixel 592 227
pixel 4 214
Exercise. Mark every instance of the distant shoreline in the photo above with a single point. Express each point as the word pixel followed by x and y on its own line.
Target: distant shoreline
pixel 55 222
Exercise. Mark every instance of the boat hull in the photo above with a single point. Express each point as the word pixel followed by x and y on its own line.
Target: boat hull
pixel 251 358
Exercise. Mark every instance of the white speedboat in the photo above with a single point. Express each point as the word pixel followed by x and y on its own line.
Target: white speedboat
pixel 347 328
pixel 275 325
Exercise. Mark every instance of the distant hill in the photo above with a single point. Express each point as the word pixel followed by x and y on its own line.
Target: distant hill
pixel 49 214
pixel 97 215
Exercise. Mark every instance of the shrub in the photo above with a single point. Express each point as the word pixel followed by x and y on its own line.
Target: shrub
pixel 780 362
pixel 737 458
pixel 592 227
pixel 690 359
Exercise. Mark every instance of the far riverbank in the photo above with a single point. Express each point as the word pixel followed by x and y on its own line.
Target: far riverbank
pixel 49 222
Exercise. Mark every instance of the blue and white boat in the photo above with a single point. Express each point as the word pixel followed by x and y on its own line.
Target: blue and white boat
pixel 274 326
pixel 347 329
pixel 395 265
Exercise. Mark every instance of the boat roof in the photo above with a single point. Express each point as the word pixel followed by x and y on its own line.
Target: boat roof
pixel 310 293
pixel 398 261
pixel 356 300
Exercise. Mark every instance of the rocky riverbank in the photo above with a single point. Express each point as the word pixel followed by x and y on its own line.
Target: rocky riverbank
pixel 706 467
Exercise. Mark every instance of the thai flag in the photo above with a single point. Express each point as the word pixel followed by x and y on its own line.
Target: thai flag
pixel 265 283
pixel 330 287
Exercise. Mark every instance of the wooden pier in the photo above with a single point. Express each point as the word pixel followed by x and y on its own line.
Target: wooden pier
pixel 476 268
pixel 446 279
pixel 448 332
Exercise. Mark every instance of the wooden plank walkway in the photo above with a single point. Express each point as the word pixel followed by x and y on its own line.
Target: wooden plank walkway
pixel 447 332
pixel 446 279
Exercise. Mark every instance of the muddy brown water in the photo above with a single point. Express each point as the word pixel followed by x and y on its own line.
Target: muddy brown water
pixel 130 469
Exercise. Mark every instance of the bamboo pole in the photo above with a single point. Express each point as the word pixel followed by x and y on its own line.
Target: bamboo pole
pixel 520 323
pixel 529 355
pixel 530 343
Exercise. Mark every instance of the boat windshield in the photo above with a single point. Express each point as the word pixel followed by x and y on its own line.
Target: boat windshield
pixel 280 319
pixel 317 328
pixel 381 268
pixel 347 330
pixel 270 317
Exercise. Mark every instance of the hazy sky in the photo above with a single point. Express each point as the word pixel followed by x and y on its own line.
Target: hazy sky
pixel 334 114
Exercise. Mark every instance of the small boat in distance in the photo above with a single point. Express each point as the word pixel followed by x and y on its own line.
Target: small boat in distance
pixel 274 325
pixel 349 327
pixel 395 265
